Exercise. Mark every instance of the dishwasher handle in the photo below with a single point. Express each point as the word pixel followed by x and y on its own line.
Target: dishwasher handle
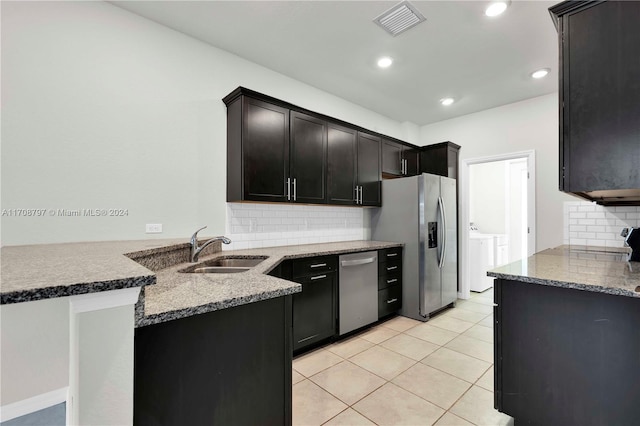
pixel 356 262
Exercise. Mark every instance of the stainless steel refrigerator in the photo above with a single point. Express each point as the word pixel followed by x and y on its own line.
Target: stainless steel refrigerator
pixel 420 211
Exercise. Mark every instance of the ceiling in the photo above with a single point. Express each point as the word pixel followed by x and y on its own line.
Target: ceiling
pixel 458 52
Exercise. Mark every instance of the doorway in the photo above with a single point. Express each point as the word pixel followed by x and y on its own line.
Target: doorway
pixel 497 216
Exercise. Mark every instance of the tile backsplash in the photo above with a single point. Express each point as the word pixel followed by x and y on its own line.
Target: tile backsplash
pixel 589 224
pixel 269 225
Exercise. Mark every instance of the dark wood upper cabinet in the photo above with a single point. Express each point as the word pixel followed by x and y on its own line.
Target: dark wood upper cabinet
pixel 342 164
pixel 308 153
pixel 600 100
pixel 440 159
pixel 259 163
pixel 369 170
pixel 399 159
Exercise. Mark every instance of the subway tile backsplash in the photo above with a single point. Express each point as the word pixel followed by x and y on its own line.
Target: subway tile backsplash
pixel 269 225
pixel 589 224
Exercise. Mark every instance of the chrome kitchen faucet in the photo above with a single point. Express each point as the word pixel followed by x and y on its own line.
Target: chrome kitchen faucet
pixel 195 250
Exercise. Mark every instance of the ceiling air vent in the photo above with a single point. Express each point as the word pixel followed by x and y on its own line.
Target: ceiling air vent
pixel 400 18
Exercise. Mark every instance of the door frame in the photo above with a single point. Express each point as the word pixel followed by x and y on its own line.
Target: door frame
pixel 464 291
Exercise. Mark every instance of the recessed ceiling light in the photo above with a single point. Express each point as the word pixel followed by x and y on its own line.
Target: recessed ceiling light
pixel 385 62
pixel 540 73
pixel 447 101
pixel 496 8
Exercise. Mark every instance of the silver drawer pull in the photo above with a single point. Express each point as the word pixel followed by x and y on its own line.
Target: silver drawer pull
pixel 392 254
pixel 392 300
pixel 318 277
pixel 391 268
pixel 307 338
pixel 392 281
pixel 356 262
pixel 318 265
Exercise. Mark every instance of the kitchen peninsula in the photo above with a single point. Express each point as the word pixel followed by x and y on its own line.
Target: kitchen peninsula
pixel 567 337
pixel 209 328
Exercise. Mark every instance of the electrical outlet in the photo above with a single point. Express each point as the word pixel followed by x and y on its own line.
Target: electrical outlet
pixel 153 228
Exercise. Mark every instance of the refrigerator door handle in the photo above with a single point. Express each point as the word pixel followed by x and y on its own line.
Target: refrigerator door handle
pixel 443 240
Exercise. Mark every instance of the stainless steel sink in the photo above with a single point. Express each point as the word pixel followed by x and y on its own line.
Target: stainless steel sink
pixel 224 265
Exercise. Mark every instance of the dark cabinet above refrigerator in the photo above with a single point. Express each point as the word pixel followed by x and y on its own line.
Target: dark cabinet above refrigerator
pixel 599 100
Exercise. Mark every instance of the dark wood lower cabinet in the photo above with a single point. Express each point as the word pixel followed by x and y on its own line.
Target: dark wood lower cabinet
pixel 314 310
pixel 227 367
pixel 566 357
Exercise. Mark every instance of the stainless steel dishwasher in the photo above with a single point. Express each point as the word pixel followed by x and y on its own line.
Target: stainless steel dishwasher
pixel 358 290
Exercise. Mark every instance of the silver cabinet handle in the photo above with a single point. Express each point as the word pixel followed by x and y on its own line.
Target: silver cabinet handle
pixel 360 194
pixel 356 194
pixel 392 281
pixel 392 254
pixel 295 192
pixel 288 189
pixel 356 262
pixel 392 300
pixel 402 167
pixel 307 338
pixel 318 265
pixel 317 277
pixel 391 268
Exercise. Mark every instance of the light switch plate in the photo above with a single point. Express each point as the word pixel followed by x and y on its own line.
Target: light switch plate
pixel 153 228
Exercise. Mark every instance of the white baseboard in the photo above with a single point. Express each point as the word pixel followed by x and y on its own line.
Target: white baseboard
pixel 33 404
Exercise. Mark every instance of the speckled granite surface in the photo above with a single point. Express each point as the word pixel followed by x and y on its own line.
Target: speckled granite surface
pixel 56 270
pixel 599 269
pixel 177 295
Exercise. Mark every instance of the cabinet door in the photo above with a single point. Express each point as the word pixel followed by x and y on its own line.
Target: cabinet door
pixel 342 168
pixel 308 159
pixel 601 94
pixel 410 156
pixel 265 146
pixel 392 158
pixel 369 174
pixel 314 313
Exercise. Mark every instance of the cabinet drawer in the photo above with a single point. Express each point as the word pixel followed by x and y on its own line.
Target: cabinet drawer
pixel 392 266
pixel 389 300
pixel 387 280
pixel 385 255
pixel 314 266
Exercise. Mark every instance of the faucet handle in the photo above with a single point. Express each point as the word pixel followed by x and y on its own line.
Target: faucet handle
pixel 195 235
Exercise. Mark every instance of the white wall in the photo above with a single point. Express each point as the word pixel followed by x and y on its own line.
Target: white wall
pixel 527 125
pixel 104 109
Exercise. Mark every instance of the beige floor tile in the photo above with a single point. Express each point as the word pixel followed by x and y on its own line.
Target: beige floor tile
pixel 392 405
pixel 480 332
pixel 349 417
pixel 349 347
pixel 432 334
pixel 383 362
pixel 465 315
pixel 409 346
pixel 487 322
pixel 472 347
pixel 449 323
pixel 314 362
pixel 348 382
pixel 486 381
pixel 483 300
pixel 313 406
pixel 457 364
pixel 296 377
pixel 433 385
pixel 476 406
pixel 378 334
pixel 452 420
pixel 400 323
pixel 470 305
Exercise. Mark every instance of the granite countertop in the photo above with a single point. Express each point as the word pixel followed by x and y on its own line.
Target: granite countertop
pixel 37 272
pixel 178 295
pixel 599 269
